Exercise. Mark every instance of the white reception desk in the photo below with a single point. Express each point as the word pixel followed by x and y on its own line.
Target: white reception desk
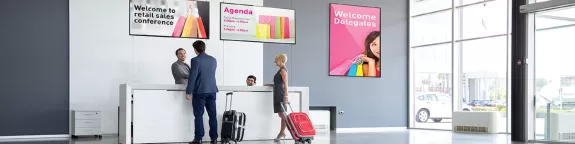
pixel 160 113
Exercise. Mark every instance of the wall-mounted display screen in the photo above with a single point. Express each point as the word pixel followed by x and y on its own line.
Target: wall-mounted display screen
pixel 257 24
pixel 354 41
pixel 170 18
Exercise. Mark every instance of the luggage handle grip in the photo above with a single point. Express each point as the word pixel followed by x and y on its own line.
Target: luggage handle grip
pixel 283 104
pixel 231 100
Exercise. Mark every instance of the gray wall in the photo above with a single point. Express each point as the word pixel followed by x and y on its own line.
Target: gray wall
pixel 34 67
pixel 367 102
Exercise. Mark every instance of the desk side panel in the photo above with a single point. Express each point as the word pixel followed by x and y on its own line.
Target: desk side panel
pixel 125 111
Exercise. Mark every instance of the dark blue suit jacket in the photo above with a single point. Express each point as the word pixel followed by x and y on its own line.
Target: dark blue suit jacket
pixel 202 78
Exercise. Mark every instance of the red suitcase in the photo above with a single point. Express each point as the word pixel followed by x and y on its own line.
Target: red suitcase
pixel 299 125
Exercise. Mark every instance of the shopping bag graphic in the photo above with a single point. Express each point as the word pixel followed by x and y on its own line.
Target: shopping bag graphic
pixel 342 69
pixel 278 28
pixel 263 31
pixel 292 30
pixel 201 29
pixel 179 26
pixel 191 27
pixel 286 28
pixel 264 19
pixel 359 69
pixel 352 70
pixel 282 26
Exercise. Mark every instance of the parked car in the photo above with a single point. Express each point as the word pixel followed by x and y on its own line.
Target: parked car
pixel 435 106
pixel 481 103
pixel 499 103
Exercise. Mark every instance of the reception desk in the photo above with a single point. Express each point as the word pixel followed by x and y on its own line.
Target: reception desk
pixel 161 113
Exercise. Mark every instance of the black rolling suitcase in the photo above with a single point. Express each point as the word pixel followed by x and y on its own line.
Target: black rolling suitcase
pixel 233 124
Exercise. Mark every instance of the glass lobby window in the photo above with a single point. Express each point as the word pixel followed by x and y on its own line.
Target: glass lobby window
pixel 550 22
pixel 468 2
pixel 484 70
pixel 479 25
pixel 485 19
pixel 557 18
pixel 555 74
pixel 537 1
pixel 432 28
pixel 432 86
pixel 426 6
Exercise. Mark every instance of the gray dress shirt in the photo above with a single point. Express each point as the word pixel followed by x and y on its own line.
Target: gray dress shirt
pixel 180 71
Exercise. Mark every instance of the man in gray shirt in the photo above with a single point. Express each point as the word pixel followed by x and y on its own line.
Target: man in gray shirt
pixel 180 70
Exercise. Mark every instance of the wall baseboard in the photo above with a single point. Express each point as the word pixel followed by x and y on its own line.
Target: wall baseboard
pixel 34 137
pixel 370 129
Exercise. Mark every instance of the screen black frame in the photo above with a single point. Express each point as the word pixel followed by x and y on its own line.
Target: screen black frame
pixel 294 20
pixel 329 40
pixel 130 26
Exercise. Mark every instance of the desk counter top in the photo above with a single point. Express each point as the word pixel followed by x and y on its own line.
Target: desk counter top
pixel 181 87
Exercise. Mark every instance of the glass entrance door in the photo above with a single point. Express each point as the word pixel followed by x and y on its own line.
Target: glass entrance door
pixel 554 71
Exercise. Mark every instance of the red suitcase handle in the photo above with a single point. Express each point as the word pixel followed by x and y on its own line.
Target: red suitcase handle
pixel 284 105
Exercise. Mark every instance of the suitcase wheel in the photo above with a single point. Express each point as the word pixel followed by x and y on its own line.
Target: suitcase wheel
pixel 306 141
pixel 303 141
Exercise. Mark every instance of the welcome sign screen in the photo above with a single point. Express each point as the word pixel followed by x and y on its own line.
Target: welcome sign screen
pixel 173 18
pixel 354 41
pixel 257 24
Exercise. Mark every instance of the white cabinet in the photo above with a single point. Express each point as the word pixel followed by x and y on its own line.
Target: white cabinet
pixel 320 119
pixel 86 123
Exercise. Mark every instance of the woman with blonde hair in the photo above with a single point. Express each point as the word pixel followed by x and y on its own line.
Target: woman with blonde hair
pixel 280 92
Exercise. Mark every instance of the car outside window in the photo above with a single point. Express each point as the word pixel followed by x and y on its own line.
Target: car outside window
pixel 444 98
pixel 421 97
pixel 431 97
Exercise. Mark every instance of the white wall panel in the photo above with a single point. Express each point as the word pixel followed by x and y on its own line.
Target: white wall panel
pixel 103 55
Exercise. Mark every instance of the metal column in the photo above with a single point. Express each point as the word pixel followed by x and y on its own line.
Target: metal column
pixel 518 73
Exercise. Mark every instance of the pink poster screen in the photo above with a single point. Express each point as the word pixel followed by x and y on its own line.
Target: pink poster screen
pixel 354 38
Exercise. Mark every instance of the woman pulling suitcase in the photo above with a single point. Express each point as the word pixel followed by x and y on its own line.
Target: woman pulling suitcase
pixel 280 87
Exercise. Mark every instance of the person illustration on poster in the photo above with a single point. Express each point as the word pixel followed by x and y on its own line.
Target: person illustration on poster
pixel 371 56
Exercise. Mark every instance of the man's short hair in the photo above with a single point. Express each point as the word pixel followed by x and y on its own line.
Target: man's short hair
pixel 252 76
pixel 199 46
pixel 179 50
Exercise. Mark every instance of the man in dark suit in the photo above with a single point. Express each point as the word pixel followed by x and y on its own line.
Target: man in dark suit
pixel 202 91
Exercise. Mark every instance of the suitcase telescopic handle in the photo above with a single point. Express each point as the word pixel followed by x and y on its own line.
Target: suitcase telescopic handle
pixel 231 100
pixel 284 105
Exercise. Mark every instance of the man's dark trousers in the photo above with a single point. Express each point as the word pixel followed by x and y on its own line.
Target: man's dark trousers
pixel 199 101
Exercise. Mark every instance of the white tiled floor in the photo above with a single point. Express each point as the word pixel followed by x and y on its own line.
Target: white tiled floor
pixel 408 136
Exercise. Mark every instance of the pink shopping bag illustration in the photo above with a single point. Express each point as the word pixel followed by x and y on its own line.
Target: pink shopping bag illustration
pixel 179 26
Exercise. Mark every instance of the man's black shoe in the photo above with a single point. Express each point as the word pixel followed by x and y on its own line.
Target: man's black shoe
pixel 196 142
pixel 214 142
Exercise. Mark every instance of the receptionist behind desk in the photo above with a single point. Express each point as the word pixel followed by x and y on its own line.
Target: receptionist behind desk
pixel 251 80
pixel 180 70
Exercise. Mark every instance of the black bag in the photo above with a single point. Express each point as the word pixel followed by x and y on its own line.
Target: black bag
pixel 233 124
